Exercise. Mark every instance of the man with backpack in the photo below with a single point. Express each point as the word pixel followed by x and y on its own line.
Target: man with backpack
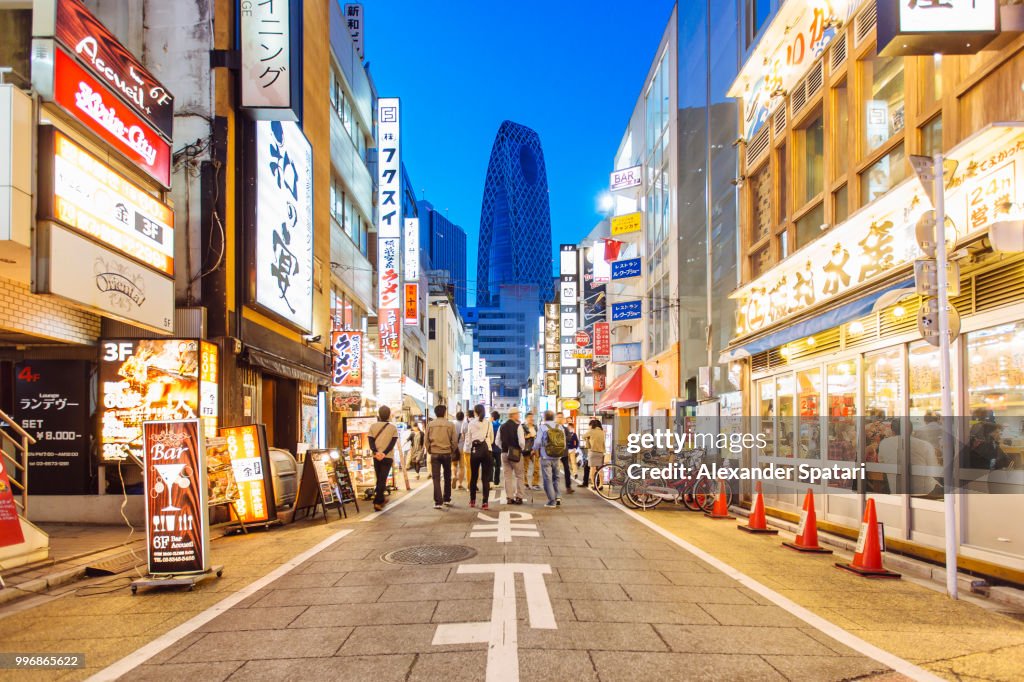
pixel 383 437
pixel 511 441
pixel 551 445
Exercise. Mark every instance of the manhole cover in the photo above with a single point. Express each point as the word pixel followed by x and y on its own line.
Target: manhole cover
pixel 427 555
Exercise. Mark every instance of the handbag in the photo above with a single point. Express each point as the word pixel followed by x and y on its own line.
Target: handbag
pixel 514 455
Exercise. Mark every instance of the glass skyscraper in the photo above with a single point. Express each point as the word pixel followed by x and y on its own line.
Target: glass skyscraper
pixel 444 243
pixel 515 217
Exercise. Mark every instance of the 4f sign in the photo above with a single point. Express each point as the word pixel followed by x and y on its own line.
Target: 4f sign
pixel 626 178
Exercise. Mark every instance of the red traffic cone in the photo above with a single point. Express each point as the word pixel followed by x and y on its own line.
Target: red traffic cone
pixel 807 534
pixel 867 560
pixel 756 523
pixel 721 508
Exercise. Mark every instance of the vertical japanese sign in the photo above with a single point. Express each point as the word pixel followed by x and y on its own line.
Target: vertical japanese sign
pixel 209 387
pixel 271 57
pixel 551 337
pixel 177 526
pixel 283 253
pixel 51 402
pixel 348 359
pixel 568 297
pixel 411 262
pixel 250 460
pixel 412 304
pixel 602 341
pixel 389 229
pixel 354 19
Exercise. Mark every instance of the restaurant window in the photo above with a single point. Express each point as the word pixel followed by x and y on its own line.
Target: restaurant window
pixel 784 404
pixel 766 415
pixel 783 164
pixel 995 394
pixel 761 196
pixel 841 205
pixel 430 378
pixel 811 140
pixel 808 226
pixel 758 12
pixel 925 418
pixel 840 140
pixel 808 423
pixel 783 245
pixel 883 175
pixel 883 99
pixel 883 407
pixel 931 137
pixel 930 79
pixel 760 261
pixel 432 326
pixel 841 389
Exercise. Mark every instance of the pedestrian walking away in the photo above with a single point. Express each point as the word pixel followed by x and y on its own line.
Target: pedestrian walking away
pixel 495 452
pixel 384 445
pixel 460 470
pixel 531 469
pixel 551 446
pixel 414 458
pixel 442 445
pixel 566 457
pixel 478 442
pixel 593 440
pixel 511 442
pixel 572 444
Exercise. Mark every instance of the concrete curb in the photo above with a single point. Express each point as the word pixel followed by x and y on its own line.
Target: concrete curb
pixel 38 586
pixel 1007 596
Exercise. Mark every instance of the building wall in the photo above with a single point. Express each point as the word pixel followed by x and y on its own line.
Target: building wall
pixel 23 312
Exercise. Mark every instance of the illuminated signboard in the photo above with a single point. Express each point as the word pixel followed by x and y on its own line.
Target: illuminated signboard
pixel 177 526
pixel 271 56
pixel 250 460
pixel 624 224
pixel 81 191
pixel 602 341
pixel 389 232
pixel 412 304
pixel 348 359
pixel 929 27
pixel 152 380
pixel 627 310
pixel 626 178
pixel 411 264
pixel 97 48
pixel 626 269
pixel 283 251
pixel 117 124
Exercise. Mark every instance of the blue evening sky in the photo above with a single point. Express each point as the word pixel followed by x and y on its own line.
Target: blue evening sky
pixel 571 70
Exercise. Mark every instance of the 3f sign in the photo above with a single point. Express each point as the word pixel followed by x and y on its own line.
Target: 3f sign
pixel 116 351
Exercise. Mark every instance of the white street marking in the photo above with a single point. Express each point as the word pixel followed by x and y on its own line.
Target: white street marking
pixel 501 633
pixel 505 527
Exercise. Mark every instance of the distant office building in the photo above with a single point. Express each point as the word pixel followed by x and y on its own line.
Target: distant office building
pixel 443 243
pixel 505 335
pixel 515 218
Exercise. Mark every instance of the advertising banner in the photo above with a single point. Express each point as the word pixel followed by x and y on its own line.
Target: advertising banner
pixel 177 525
pixel 209 387
pixel 626 178
pixel 412 304
pixel 411 261
pixel 602 341
pixel 150 380
pixel 600 378
pixel 51 402
pixel 626 269
pixel 354 22
pixel 628 310
pixel 595 301
pixel 82 191
pixel 625 224
pixel 250 459
pixel 10 526
pixel 389 243
pixel 107 59
pixel 92 103
pixel 551 336
pixel 348 359
pixel 283 254
pixel 271 54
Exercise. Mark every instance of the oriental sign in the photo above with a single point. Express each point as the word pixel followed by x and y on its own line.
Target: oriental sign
pixel 880 237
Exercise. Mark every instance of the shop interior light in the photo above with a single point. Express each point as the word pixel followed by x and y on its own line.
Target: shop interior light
pixel 856 328
pixel 785 351
pixel 334 454
pixel 899 311
pixel 810 341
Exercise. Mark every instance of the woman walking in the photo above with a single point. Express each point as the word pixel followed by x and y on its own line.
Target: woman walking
pixel 594 442
pixel 414 460
pixel 478 441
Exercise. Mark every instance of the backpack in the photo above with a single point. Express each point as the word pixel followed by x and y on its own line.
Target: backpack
pixel 556 442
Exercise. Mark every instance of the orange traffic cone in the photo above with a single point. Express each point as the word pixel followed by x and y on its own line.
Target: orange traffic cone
pixel 721 508
pixel 756 523
pixel 867 560
pixel 807 534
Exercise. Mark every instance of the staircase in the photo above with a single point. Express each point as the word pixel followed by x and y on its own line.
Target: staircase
pixel 14 444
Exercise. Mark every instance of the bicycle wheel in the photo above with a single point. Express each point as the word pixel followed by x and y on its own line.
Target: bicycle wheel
pixel 636 492
pixel 610 480
pixel 689 498
pixel 704 491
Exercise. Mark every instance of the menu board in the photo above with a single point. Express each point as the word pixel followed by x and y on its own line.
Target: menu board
pixel 153 380
pixel 177 525
pixel 220 472
pixel 51 402
pixel 250 460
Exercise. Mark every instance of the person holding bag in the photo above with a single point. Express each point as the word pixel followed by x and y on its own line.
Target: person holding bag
pixel 383 437
pixel 478 442
pixel 511 442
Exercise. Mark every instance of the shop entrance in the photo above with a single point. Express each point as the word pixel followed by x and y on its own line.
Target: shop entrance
pixel 279 410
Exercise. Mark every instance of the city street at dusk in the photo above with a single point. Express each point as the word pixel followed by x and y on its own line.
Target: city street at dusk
pixel 397 340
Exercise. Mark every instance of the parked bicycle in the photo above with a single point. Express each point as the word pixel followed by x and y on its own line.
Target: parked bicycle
pixel 696 493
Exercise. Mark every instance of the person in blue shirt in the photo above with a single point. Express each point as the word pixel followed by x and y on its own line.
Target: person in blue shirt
pixel 551 443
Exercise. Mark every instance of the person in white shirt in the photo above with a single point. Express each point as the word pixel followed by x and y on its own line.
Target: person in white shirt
pixel 477 442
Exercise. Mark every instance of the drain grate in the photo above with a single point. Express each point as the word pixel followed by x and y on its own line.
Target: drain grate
pixel 428 555
pixel 113 565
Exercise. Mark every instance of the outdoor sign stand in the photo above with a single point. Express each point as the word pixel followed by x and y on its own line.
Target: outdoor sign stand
pixel 250 458
pixel 325 483
pixel 177 517
pixel 221 477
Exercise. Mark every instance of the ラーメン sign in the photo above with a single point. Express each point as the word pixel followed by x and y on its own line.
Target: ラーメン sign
pixel 347 347
pixel 177 526
pixel 83 192
pixel 80 94
pixel 282 272
pixel 250 460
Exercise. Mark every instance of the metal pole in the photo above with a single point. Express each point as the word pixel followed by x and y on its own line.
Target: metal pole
pixel 949 470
